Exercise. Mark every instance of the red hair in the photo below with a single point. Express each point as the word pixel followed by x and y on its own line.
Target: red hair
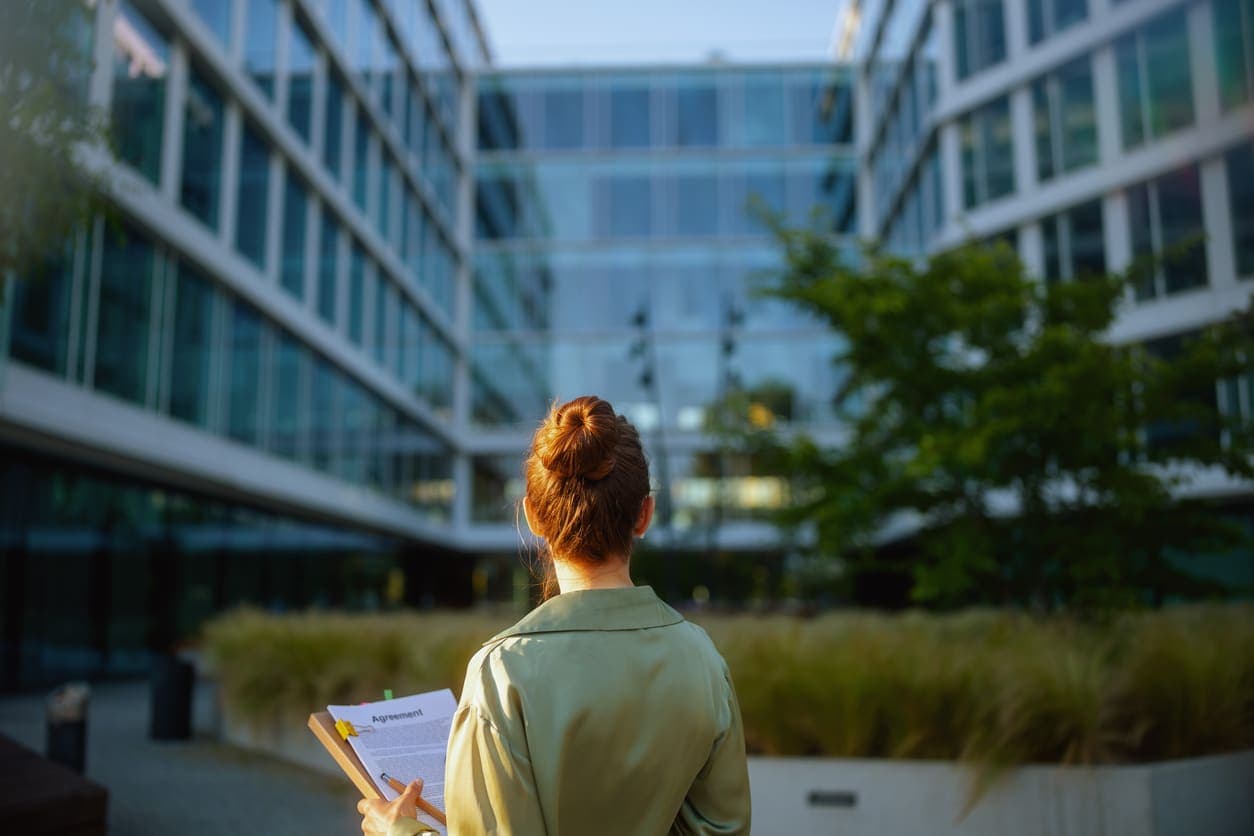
pixel 587 479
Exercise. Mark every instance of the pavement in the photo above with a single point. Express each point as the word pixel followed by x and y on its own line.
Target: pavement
pixel 190 787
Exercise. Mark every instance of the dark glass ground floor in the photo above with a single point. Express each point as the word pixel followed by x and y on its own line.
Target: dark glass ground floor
pixel 99 572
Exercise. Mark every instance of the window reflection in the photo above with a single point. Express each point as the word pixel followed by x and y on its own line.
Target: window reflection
pixel 140 65
pixel 123 315
pixel 254 192
pixel 261 32
pixel 201 187
pixel 300 70
pixel 192 349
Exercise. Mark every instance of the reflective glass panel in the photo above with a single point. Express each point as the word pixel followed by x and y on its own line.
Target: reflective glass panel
pixel 245 374
pixel 1240 165
pixel 361 161
pixel 123 318
pixel 254 193
pixel 192 350
pixel 201 187
pixel 1234 50
pixel 356 294
pixel 295 212
pixel 41 313
pixel 563 118
pixel 333 126
pixel 300 79
pixel 764 122
pixel 290 405
pixel 696 115
pixel 140 66
pixel 629 124
pixel 216 15
pixel 328 250
pixel 261 33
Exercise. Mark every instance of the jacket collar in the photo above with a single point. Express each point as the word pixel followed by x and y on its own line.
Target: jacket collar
pixel 628 608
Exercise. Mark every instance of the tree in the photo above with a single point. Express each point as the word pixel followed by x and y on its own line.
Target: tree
pixel 999 450
pixel 45 123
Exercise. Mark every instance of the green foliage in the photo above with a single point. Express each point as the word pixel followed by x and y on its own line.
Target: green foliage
pixel 291 665
pixel 1029 460
pixel 45 123
pixel 992 689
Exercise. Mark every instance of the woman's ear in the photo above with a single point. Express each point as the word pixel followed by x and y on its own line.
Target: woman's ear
pixel 645 517
pixel 527 516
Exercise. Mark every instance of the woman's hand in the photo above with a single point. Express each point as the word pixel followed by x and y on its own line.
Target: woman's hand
pixel 378 815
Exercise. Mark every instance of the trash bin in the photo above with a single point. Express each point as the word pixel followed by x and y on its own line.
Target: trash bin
pixel 67 725
pixel 172 680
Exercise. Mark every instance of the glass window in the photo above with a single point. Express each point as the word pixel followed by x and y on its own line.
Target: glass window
pixel 295 212
pixel 563 117
pixel 1155 82
pixel 629 116
pixel 384 302
pixel 1234 50
pixel 1049 17
pixel 333 125
pixel 1165 217
pixel 192 349
pixel 41 313
pixel 629 211
pixel 696 204
pixel 1240 163
pixel 1066 121
pixel 323 421
pixel 1074 242
pixel 289 404
pixel 436 382
pixel 363 50
pixel 389 70
pixel 141 62
pixel 696 115
pixel 979 35
pixel 361 161
pixel 300 80
pixel 328 251
pixel 815 111
pixel 384 215
pixel 201 188
pixel 764 122
pixel 357 294
pixel 245 374
pixel 124 314
pixel 254 192
pixel 216 15
pixel 987 153
pixel 261 31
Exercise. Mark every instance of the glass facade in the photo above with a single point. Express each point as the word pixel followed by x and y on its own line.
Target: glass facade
pixel 1049 17
pixel 619 247
pixel 1234 50
pixel 141 65
pixel 979 35
pixel 137 314
pixel 1155 79
pixel 1168 237
pixel 1074 242
pixel 988 170
pixel 1066 121
pixel 1239 163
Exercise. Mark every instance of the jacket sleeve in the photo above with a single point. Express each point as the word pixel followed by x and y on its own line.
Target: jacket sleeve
pixel 718 802
pixel 489 786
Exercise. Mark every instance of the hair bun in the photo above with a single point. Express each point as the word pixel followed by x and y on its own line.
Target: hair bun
pixel 579 439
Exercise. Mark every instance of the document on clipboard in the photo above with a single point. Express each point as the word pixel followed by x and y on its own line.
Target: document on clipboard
pixel 404 738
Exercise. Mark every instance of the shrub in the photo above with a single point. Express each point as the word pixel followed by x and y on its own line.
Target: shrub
pixel 987 687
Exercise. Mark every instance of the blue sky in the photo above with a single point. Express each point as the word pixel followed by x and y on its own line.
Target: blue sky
pixel 582 32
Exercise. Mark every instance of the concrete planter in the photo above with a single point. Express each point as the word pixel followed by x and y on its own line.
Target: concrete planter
pixel 1212 796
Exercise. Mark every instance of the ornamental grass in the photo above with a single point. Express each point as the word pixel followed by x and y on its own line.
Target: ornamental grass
pixel 990 688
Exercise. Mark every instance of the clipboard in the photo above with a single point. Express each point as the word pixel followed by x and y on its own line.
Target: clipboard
pixel 322 724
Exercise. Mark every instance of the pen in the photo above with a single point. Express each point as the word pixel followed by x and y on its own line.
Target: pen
pixel 423 805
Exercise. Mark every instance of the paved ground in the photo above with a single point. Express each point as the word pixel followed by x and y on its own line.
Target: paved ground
pixel 195 787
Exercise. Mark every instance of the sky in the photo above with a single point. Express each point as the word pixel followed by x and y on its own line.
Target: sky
pixel 527 33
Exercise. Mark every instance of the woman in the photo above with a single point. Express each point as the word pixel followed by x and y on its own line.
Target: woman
pixel 602 711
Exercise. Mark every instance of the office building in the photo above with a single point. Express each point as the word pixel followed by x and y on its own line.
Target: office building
pixel 244 385
pixel 1086 133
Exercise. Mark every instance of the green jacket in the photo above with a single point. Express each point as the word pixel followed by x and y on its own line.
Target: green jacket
pixel 601 712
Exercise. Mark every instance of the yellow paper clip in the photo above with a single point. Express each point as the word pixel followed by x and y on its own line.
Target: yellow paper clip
pixel 345 729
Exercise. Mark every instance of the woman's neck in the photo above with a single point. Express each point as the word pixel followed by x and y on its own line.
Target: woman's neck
pixel 611 573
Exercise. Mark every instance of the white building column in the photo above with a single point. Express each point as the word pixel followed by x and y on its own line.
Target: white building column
pixel 172 125
pixel 1106 105
pixel 231 130
pixel 1217 221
